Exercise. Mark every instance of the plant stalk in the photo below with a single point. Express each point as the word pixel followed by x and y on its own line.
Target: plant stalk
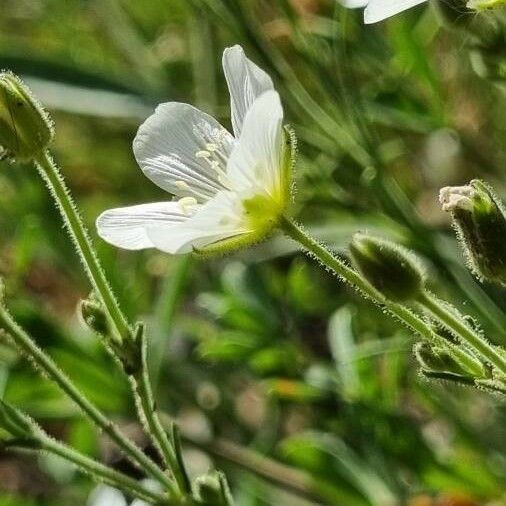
pixel 463 331
pixel 103 473
pixel 43 363
pixel 349 275
pixel 79 235
pixel 141 387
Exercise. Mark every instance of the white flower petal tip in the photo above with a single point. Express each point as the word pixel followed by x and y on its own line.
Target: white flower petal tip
pixel 246 82
pixel 354 4
pixel 379 10
pixel 230 190
pixel 126 227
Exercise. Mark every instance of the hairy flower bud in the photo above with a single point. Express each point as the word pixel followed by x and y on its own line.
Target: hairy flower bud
pixel 25 127
pixel 480 220
pixel 434 358
pixel 94 316
pixel 392 269
pixel 212 489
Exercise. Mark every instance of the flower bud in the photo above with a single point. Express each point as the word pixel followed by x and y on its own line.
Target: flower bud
pixel 94 316
pixel 480 220
pixel 212 489
pixel 25 127
pixel 434 358
pixel 392 269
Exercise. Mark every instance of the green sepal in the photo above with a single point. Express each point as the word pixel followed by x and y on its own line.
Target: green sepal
pixel 392 269
pixel 481 228
pixel 25 127
pixel 212 489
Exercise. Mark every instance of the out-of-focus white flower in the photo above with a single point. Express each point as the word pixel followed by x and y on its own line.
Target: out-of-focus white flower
pixel 230 189
pixel 378 10
pixel 104 495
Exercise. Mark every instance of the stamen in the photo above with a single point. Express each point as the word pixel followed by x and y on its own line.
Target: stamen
pixel 202 154
pixel 210 146
pixel 186 204
pixel 182 185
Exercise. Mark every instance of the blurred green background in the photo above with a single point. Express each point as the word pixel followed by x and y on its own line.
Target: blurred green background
pixel 277 374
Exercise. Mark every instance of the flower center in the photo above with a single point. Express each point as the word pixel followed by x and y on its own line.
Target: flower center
pixel 262 212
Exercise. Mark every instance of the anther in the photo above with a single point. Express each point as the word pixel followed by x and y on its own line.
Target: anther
pixel 186 204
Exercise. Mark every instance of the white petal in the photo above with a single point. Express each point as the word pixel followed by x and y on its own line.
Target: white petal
pixel 104 495
pixel 246 82
pixel 219 218
pixel 353 4
pixel 176 147
pixel 125 227
pixel 255 162
pixel 377 10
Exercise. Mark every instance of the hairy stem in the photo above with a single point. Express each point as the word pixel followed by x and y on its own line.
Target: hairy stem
pixel 346 273
pixel 43 363
pixel 79 235
pixel 103 473
pixel 463 331
pixel 141 385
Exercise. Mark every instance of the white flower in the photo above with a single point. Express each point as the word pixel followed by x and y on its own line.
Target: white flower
pixel 378 10
pixel 230 189
pixel 103 495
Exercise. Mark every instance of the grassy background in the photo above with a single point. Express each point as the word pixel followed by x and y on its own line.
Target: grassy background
pixel 261 353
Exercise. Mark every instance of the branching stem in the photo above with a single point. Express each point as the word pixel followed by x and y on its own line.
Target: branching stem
pixel 462 330
pixel 141 382
pixel 43 363
pixel 346 273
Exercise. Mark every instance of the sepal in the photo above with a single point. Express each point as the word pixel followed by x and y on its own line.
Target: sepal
pixel 480 220
pixel 392 269
pixel 212 489
pixel 25 127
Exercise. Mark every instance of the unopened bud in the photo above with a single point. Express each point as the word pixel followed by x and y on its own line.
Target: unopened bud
pixel 434 358
pixel 94 316
pixel 212 489
pixel 480 220
pixel 392 269
pixel 25 127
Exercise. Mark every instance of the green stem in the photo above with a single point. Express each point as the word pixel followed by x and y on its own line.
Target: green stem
pixel 141 384
pixel 43 363
pixel 79 235
pixel 462 331
pixel 103 473
pixel 346 273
